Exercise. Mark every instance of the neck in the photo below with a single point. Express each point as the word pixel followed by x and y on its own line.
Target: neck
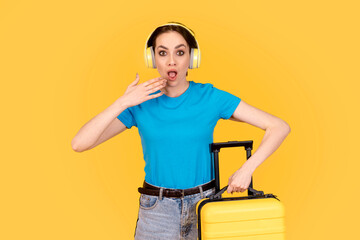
pixel 176 90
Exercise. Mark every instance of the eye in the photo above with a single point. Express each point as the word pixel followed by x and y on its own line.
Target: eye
pixel 162 53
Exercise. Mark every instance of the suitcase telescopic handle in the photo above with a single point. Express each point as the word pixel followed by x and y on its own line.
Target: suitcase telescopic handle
pixel 215 149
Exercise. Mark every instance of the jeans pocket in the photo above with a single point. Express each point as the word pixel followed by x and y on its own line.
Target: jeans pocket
pixel 148 202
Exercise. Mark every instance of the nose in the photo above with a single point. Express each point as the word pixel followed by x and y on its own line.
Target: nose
pixel 171 60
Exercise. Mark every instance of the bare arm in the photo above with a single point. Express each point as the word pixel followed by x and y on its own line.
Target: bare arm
pixel 275 128
pixel 105 125
pixel 276 131
pixel 115 127
pixel 100 128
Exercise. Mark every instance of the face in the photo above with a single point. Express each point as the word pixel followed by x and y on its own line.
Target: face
pixel 172 54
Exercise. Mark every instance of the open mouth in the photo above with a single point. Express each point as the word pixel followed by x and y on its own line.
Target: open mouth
pixel 172 75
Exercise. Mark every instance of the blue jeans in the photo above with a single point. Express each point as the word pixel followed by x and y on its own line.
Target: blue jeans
pixel 166 218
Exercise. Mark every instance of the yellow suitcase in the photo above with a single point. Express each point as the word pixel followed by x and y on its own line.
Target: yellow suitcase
pixel 257 216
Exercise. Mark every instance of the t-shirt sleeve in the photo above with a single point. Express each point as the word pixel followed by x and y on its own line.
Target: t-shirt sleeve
pixel 226 103
pixel 127 118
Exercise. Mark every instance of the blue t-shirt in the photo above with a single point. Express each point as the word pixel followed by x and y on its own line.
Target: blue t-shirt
pixel 176 133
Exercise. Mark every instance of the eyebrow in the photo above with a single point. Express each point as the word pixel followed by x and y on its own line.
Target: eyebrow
pixel 175 47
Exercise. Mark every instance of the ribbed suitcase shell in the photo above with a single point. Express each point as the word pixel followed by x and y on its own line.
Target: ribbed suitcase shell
pixel 238 218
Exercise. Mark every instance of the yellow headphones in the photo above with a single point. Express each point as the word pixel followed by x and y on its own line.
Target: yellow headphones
pixel 194 53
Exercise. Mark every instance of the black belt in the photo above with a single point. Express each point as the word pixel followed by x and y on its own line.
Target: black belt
pixel 177 193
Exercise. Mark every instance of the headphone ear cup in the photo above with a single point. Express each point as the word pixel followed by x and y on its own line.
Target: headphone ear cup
pixel 153 57
pixel 196 58
pixel 191 58
pixel 149 58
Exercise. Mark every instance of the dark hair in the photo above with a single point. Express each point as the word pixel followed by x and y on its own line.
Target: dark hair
pixel 167 28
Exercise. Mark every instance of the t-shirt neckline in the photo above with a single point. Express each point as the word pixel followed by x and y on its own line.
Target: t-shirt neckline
pixel 184 94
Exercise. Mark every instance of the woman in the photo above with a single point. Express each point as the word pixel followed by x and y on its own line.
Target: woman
pixel 176 119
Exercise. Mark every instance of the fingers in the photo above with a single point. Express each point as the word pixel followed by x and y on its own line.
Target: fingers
pixel 156 86
pixel 151 81
pixel 231 189
pixel 136 80
pixel 155 95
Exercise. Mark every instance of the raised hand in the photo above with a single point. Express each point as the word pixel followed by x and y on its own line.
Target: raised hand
pixel 139 93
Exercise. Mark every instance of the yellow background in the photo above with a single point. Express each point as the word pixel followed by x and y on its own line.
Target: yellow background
pixel 63 62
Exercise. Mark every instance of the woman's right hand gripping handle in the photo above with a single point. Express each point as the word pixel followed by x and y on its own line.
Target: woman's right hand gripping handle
pixel 139 93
